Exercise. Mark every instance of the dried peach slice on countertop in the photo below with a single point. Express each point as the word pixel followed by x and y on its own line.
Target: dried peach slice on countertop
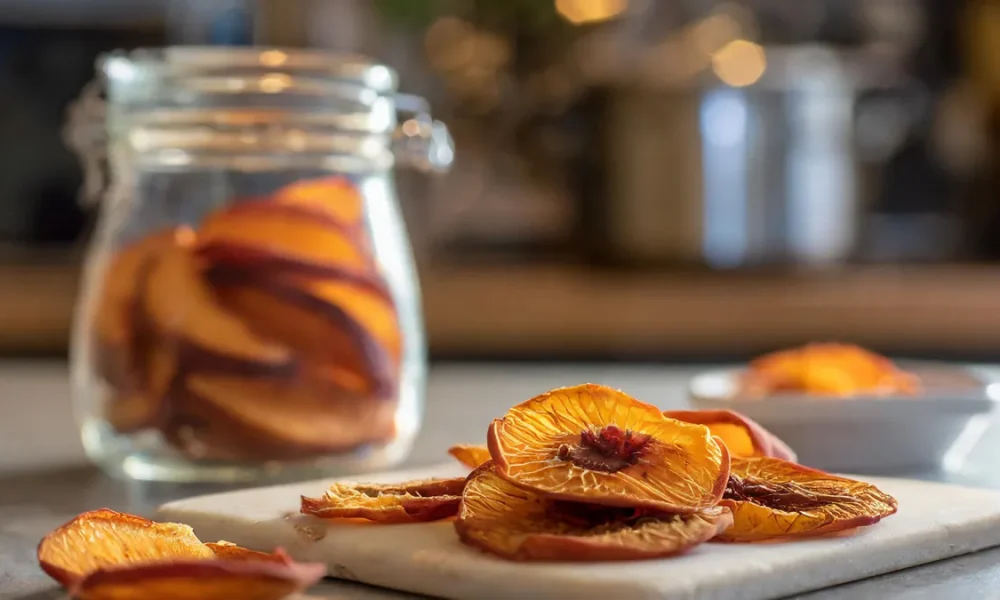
pixel 828 369
pixel 105 538
pixel 591 443
pixel 772 498
pixel 107 555
pixel 200 580
pixel 743 436
pixel 409 502
pixel 470 455
pixel 518 524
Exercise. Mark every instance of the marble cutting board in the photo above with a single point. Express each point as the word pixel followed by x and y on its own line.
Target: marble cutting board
pixel 934 521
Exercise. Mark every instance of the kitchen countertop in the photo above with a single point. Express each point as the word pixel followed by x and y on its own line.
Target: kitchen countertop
pixel 462 399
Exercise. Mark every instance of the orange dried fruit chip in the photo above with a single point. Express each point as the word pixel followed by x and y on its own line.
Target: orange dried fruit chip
pixel 104 538
pixel 244 578
pixel 743 436
pixel 591 443
pixel 230 551
pixel 518 524
pixel 828 369
pixel 470 455
pixel 772 498
pixel 409 502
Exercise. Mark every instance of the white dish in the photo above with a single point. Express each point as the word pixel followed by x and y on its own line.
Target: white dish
pixel 868 434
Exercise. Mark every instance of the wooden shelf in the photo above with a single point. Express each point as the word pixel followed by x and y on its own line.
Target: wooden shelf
pixel 573 311
pixel 559 310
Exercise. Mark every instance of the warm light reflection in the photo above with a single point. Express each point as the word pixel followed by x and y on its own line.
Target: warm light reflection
pixel 274 83
pixel 590 11
pixel 450 43
pixel 714 32
pixel 273 58
pixel 739 63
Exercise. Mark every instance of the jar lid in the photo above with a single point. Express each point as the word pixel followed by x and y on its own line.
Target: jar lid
pixel 194 60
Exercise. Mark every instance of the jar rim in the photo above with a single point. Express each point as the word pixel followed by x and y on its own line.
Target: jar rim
pixel 189 60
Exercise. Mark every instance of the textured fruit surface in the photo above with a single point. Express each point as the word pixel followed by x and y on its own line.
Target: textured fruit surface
pixel 771 498
pixel 594 444
pixel 518 524
pixel 743 436
pixel 409 502
pixel 105 538
pixel 469 455
pixel 827 369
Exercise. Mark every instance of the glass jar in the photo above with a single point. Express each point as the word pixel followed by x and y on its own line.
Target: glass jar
pixel 249 306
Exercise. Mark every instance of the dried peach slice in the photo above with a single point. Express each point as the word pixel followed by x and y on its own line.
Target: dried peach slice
pixel 105 538
pixel 114 314
pixel 233 418
pixel 230 551
pixel 743 436
pixel 410 502
pixel 334 195
pixel 828 369
pixel 469 455
pixel 289 230
pixel 342 326
pixel 200 580
pixel 518 524
pixel 182 312
pixel 772 498
pixel 591 443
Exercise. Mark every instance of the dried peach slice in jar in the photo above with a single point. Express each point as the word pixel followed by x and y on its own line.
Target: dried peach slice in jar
pixel 518 524
pixel 772 498
pixel 591 443
pixel 469 455
pixel 409 502
pixel 334 195
pixel 743 436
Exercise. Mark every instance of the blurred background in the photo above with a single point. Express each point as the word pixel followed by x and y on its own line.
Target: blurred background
pixel 635 179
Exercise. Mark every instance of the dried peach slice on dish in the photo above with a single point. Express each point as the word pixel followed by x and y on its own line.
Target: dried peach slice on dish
pixel 410 502
pixel 591 443
pixel 772 498
pixel 743 436
pixel 518 524
pixel 469 455
pixel 828 369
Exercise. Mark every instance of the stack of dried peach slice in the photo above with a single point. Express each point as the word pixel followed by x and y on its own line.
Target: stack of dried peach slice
pixel 266 333
pixel 588 473
pixel 107 555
